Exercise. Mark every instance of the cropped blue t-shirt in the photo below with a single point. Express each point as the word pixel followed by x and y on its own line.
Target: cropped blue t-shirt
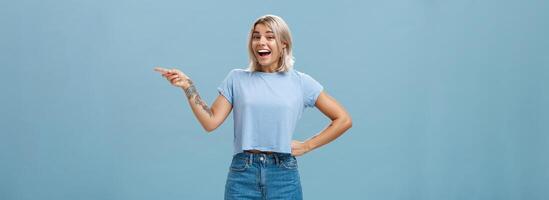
pixel 267 106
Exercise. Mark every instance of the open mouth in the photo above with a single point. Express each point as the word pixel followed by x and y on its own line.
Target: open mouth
pixel 264 53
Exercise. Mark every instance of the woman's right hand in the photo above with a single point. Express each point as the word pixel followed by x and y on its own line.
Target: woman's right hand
pixel 175 77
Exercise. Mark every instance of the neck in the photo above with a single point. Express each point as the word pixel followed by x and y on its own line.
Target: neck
pixel 268 69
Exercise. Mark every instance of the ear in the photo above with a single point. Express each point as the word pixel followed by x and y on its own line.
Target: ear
pixel 284 45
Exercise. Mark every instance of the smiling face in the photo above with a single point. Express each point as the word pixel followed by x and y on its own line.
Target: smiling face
pixel 265 47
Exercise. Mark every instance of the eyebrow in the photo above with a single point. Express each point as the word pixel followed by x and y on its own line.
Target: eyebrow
pixel 266 32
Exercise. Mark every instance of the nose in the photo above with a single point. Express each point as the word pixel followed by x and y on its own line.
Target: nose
pixel 262 40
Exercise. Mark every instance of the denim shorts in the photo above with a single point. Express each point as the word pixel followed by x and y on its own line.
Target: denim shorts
pixel 263 176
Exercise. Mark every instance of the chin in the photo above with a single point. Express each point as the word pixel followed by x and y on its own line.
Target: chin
pixel 263 63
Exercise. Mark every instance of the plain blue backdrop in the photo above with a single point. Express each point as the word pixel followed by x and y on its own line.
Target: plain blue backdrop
pixel 449 99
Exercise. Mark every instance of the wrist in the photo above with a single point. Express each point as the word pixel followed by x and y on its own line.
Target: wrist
pixel 187 83
pixel 189 90
pixel 308 146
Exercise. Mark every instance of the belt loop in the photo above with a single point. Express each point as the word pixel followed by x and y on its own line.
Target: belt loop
pixel 250 158
pixel 276 159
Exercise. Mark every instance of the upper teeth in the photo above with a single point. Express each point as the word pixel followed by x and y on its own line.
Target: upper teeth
pixel 263 51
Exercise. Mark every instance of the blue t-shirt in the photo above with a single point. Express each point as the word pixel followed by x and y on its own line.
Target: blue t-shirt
pixel 267 106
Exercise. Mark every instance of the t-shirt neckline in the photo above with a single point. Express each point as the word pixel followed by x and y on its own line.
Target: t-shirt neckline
pixel 270 73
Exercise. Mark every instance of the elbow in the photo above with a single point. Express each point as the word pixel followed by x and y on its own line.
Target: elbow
pixel 348 122
pixel 209 127
pixel 209 130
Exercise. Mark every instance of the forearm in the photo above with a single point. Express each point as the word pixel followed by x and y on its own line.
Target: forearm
pixel 335 129
pixel 202 112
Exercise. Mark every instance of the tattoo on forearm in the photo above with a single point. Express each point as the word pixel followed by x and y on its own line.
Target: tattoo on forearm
pixel 198 101
pixel 192 93
pixel 191 90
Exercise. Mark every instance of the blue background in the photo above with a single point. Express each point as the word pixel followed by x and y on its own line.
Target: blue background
pixel 449 99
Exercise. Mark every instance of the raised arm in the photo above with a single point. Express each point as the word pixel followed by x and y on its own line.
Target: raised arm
pixel 209 118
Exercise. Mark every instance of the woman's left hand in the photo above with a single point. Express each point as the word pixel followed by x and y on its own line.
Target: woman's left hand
pixel 299 148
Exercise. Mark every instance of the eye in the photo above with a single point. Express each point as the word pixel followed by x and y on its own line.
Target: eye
pixel 256 37
pixel 270 37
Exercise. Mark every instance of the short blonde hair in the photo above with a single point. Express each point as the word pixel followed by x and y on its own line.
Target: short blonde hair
pixel 282 36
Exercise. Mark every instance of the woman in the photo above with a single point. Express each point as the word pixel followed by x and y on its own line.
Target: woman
pixel 268 99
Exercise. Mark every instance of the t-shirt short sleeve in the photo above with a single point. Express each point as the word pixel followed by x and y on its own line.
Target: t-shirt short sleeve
pixel 226 87
pixel 311 90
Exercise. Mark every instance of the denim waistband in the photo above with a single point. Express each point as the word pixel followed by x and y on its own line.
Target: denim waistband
pixel 270 154
pixel 276 156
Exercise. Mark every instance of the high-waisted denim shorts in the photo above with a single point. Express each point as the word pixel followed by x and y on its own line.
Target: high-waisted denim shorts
pixel 263 176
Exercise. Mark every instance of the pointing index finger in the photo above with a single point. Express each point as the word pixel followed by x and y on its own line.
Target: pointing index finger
pixel 161 70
